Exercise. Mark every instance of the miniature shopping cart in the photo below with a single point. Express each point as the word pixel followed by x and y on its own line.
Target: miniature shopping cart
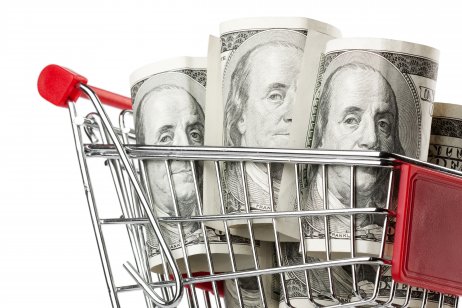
pixel 425 226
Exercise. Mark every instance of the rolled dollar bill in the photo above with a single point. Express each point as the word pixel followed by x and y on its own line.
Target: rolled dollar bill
pixel 343 285
pixel 169 109
pixel 446 136
pixel 370 95
pixel 250 291
pixel 261 60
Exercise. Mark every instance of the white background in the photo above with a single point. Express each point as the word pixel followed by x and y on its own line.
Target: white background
pixel 48 255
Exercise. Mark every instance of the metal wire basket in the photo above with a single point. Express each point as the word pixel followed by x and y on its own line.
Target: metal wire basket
pixel 396 281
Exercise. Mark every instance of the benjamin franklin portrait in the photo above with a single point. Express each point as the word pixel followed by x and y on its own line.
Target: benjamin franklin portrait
pixel 259 86
pixel 364 103
pixel 169 111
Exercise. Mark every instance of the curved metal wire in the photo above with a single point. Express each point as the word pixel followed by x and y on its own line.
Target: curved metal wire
pixel 179 290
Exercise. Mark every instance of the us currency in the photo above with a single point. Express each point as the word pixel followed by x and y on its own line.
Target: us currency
pixel 369 95
pixel 169 109
pixel 403 292
pixel 395 294
pixel 261 60
pixel 250 290
pixel 446 136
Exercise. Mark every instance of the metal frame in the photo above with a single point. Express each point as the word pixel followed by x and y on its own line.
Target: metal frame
pixel 130 183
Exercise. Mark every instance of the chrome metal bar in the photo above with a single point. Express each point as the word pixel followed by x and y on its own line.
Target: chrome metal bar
pixel 360 303
pixel 425 298
pixel 138 230
pixel 93 209
pixel 384 234
pixel 176 273
pixel 353 228
pixel 302 234
pixel 135 219
pixel 407 298
pixel 326 226
pixel 227 234
pixel 254 215
pixel 391 297
pixel 206 240
pixel 165 276
pixel 251 234
pixel 166 292
pixel 88 123
pixel 387 207
pixel 207 302
pixel 265 271
pixel 192 291
pixel 244 154
pixel 116 173
pixel 276 235
pixel 441 300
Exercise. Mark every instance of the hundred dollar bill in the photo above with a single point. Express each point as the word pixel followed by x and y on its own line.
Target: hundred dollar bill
pixel 446 136
pixel 169 109
pixel 416 295
pixel 261 60
pixel 370 95
pixel 342 281
pixel 249 288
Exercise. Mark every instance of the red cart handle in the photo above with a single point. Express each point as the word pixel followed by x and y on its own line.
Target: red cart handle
pixel 60 85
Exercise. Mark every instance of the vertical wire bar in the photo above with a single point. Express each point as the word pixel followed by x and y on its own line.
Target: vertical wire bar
pixel 166 291
pixel 384 234
pixel 353 228
pixel 124 202
pixel 302 235
pixel 251 234
pixel 207 302
pixel 276 235
pixel 441 300
pixel 384 231
pixel 387 206
pixel 192 288
pixel 425 298
pixel 206 239
pixel 137 230
pixel 326 228
pixel 391 297
pixel 228 238
pixel 153 222
pixel 190 294
pixel 93 209
pixel 407 299
pixel 166 275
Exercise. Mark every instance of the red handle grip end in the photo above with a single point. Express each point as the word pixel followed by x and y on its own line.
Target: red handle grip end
pixel 58 85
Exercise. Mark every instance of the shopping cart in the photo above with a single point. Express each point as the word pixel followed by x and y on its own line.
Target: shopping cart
pixel 424 225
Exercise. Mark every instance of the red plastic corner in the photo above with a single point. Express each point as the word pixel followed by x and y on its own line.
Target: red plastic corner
pixel 58 85
pixel 427 252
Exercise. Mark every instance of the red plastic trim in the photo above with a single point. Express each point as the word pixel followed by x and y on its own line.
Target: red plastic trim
pixel 206 286
pixel 60 85
pixel 427 252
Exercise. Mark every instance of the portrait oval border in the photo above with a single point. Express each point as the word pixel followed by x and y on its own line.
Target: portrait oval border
pixel 266 36
pixel 196 89
pixel 409 111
